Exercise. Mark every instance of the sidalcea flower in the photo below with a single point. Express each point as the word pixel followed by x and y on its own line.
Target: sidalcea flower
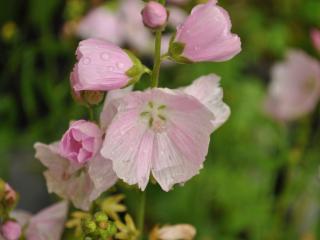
pixel 103 66
pixel 101 23
pixel 295 87
pixel 47 224
pixel 81 142
pixel 154 15
pixel 10 230
pixel 163 132
pixel 315 37
pixel 205 36
pixel 76 170
pixel 179 231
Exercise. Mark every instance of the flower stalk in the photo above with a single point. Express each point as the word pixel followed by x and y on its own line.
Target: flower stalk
pixel 157 60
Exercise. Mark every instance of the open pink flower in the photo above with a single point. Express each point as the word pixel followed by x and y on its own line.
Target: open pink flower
pixel 315 37
pixel 163 132
pixel 101 23
pixel 103 66
pixel 205 36
pixel 81 142
pixel 10 230
pixel 80 182
pixel 295 87
pixel 47 224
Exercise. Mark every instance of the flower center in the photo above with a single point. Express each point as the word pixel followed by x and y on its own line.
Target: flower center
pixel 155 115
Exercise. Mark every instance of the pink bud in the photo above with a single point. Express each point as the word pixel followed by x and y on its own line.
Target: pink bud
pixel 11 230
pixel 154 15
pixel 11 195
pixel 205 36
pixel 315 37
pixel 81 142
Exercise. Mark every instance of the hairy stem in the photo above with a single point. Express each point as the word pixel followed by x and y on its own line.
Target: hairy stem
pixel 157 60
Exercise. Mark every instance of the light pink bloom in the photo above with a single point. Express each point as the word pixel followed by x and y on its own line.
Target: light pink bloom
pixel 101 66
pixel 47 224
pixel 295 87
pixel 137 36
pixel 101 23
pixel 154 15
pixel 315 37
pixel 163 132
pixel 10 230
pixel 174 232
pixel 81 141
pixel 205 36
pixel 80 183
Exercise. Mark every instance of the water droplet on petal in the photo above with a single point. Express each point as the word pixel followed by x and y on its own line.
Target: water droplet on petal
pixel 105 56
pixel 110 68
pixel 120 65
pixel 86 60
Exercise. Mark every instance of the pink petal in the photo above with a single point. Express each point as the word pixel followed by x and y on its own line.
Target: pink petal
pixel 208 91
pixel 207 35
pixel 49 223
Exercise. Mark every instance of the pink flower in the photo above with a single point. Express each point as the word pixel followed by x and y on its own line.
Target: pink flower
pixel 81 142
pixel 103 66
pixel 101 23
pixel 315 37
pixel 179 231
pixel 137 36
pixel 149 133
pixel 205 36
pixel 78 182
pixel 154 15
pixel 47 224
pixel 11 230
pixel 295 87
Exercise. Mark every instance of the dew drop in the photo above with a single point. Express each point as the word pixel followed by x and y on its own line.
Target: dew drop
pixel 120 65
pixel 110 68
pixel 105 56
pixel 86 60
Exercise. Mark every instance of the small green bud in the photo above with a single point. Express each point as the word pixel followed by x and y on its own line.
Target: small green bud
pixel 100 217
pixel 88 226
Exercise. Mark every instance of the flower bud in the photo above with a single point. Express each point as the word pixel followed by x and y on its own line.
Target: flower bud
pixel 11 230
pixel 88 226
pixel 93 97
pixel 154 15
pixel 81 142
pixel 315 37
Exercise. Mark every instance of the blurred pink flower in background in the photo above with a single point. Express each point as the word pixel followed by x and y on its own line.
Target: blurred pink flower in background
pixel 101 23
pixel 205 35
pixel 81 142
pixel 174 232
pixel 47 224
pixel 154 15
pixel 163 131
pixel 10 195
pixel 179 2
pixel 80 182
pixel 137 36
pixel 295 87
pixel 315 37
pixel 101 66
pixel 10 230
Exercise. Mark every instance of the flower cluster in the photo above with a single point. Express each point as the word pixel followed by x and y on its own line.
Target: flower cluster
pixel 158 132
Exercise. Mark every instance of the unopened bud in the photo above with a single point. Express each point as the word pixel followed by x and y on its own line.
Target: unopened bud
pixel 93 97
pixel 154 15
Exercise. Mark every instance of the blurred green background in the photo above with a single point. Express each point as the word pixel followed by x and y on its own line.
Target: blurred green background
pixel 260 179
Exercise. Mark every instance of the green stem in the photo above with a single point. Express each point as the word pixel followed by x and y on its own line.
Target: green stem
pixel 91 113
pixel 157 60
pixel 141 213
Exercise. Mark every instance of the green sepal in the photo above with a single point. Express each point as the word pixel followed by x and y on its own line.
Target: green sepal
pixel 137 70
pixel 176 50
